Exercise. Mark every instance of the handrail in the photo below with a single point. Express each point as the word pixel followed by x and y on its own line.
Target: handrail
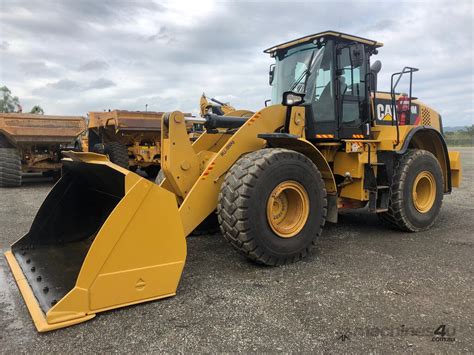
pixel 369 89
pixel 406 70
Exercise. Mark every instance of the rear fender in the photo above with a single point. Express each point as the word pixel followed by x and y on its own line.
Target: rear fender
pixel 428 138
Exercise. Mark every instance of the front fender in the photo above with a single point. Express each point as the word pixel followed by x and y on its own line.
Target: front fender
pixel 288 141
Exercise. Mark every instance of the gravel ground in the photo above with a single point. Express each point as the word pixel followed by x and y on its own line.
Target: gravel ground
pixel 365 288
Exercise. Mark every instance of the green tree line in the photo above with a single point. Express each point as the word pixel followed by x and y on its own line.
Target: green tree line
pixel 10 103
pixel 463 137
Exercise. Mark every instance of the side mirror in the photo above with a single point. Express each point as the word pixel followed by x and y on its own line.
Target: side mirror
pixel 357 54
pixel 271 74
pixel 292 98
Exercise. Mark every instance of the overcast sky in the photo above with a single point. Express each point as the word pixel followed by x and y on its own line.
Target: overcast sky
pixel 72 57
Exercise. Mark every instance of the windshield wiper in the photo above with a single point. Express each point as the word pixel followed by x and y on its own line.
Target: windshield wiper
pixel 305 74
pixel 297 81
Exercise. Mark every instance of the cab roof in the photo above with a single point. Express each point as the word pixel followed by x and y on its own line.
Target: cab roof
pixel 332 34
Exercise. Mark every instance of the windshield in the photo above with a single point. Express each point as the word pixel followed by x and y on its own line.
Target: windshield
pixel 294 70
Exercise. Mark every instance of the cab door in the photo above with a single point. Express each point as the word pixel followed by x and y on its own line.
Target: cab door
pixel 321 122
pixel 351 90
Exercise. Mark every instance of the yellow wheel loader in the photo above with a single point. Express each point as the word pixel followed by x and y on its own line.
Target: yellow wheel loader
pixel 214 106
pixel 106 238
pixel 209 109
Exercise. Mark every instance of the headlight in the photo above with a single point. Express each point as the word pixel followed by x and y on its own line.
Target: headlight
pixel 292 98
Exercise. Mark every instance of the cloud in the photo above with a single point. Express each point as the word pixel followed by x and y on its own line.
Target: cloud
pixel 166 53
pixel 64 84
pixel 67 88
pixel 4 45
pixel 162 35
pixel 101 84
pixel 33 66
pixel 38 69
pixel 94 65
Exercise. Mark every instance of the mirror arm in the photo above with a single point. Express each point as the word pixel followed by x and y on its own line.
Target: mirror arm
pixel 271 74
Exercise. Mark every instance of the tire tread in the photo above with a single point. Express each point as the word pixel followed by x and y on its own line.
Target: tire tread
pixel 118 154
pixel 10 167
pixel 396 214
pixel 234 199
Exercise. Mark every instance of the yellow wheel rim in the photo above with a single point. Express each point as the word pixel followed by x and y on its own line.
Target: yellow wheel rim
pixel 288 209
pixel 424 191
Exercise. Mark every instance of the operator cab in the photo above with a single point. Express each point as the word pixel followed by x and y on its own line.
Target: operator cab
pixel 329 74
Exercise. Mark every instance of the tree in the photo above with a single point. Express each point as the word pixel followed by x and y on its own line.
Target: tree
pixel 36 109
pixel 469 130
pixel 8 103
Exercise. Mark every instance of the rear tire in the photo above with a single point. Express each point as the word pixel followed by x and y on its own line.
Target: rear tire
pixel 98 148
pixel 272 206
pixel 117 153
pixel 10 167
pixel 416 194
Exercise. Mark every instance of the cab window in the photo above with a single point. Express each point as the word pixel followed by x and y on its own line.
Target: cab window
pixel 324 91
pixel 351 89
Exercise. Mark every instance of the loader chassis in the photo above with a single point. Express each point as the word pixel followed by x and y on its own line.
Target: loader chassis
pixel 273 179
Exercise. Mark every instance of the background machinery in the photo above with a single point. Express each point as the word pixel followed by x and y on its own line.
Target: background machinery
pixel 130 139
pixel 33 143
pixel 274 178
pixel 214 106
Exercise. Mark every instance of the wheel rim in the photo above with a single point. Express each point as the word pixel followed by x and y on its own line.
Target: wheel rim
pixel 288 209
pixel 424 191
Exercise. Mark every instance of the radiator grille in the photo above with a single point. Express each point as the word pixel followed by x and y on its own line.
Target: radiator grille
pixel 425 117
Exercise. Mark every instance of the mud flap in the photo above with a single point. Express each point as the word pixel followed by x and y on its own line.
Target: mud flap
pixel 104 238
pixel 455 164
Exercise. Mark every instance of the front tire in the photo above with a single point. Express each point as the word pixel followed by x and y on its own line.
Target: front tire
pixel 416 194
pixel 272 206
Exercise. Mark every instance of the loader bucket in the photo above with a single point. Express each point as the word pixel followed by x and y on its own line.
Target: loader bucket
pixel 104 238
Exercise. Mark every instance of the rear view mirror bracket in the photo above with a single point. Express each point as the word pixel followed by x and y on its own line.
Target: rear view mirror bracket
pixel 271 74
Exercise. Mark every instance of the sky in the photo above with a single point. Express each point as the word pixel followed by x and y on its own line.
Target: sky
pixel 72 57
